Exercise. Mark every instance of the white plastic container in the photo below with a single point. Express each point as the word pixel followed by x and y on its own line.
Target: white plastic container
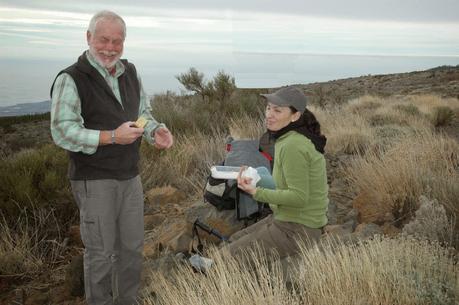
pixel 224 172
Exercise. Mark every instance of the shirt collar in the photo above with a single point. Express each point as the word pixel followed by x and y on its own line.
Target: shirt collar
pixel 119 66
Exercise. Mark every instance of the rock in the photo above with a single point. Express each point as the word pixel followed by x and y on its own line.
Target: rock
pixel 158 197
pixel 223 221
pixel 340 200
pixel 164 265
pixel 351 218
pixel 75 236
pixel 367 230
pixel 175 236
pixel 390 230
pixel 37 297
pixel 19 296
pixel 338 230
pixel 331 213
pixel 74 278
pixel 152 221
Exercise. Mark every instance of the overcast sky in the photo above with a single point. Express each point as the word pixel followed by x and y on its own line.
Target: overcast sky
pixel 175 35
pixel 50 28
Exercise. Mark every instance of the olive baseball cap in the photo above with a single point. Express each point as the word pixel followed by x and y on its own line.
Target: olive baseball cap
pixel 288 96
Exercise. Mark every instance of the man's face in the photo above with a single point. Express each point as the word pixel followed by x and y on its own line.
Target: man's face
pixel 106 43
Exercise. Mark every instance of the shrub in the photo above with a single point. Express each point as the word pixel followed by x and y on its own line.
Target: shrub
pixel 8 122
pixel 223 85
pixel 382 271
pixel 380 119
pixel 364 104
pixel 184 166
pixel 409 109
pixel 26 247
pixel 193 81
pixel 353 143
pixel 387 136
pixel 187 115
pixel 398 176
pixel 220 88
pixel 35 177
pixel 245 127
pixel 346 132
pixel 430 222
pixel 442 116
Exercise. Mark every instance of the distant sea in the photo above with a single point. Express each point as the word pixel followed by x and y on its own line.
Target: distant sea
pixel 29 81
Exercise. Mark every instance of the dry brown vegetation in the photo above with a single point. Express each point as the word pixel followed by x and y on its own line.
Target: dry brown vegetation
pixel 380 271
pixel 398 152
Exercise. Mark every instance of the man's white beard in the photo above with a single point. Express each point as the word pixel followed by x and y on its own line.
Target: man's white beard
pixel 111 64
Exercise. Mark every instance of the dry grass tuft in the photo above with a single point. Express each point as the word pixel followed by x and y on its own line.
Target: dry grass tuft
pixel 364 104
pixel 372 123
pixel 442 116
pixel 346 132
pixel 26 249
pixel 425 162
pixel 380 271
pixel 229 281
pixel 187 164
pixel 246 127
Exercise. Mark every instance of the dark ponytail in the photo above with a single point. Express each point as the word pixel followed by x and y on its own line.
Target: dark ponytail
pixel 311 122
pixel 308 126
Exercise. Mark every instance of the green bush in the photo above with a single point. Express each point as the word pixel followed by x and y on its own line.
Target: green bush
pixel 409 109
pixel 442 116
pixel 383 119
pixel 185 115
pixel 34 177
pixel 12 263
pixel 7 122
pixel 220 88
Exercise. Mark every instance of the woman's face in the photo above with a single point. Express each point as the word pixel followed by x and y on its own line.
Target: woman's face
pixel 277 117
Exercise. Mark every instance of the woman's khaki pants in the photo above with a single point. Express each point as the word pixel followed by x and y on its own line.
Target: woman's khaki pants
pixel 272 234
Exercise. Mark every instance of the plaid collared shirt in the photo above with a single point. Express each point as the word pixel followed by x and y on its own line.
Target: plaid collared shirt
pixel 67 124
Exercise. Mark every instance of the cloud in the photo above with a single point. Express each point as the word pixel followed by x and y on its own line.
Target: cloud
pixel 212 27
pixel 407 10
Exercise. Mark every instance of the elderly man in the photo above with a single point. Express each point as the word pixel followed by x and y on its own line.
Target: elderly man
pixel 95 103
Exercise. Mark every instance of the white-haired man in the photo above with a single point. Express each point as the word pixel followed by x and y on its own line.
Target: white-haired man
pixel 94 105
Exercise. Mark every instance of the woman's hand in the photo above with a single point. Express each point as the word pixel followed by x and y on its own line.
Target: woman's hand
pixel 244 183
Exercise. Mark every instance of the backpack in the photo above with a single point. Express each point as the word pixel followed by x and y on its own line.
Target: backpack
pixel 217 193
pixel 224 194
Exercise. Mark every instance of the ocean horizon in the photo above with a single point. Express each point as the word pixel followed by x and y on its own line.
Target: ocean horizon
pixel 29 81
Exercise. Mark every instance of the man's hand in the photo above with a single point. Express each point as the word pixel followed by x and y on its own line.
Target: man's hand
pixel 127 133
pixel 163 138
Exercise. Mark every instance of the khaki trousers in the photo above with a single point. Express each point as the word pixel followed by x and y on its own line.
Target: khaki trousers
pixel 272 234
pixel 111 224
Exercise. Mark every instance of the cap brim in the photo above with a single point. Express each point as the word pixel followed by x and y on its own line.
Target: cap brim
pixel 274 99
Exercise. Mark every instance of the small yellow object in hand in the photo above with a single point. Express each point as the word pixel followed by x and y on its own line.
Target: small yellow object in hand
pixel 140 123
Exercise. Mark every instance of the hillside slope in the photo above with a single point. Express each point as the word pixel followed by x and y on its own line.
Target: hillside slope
pixel 442 81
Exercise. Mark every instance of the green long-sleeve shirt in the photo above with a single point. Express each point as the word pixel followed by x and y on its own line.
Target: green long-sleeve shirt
pixel 301 193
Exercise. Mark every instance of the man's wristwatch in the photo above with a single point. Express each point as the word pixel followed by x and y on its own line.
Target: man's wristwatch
pixel 113 137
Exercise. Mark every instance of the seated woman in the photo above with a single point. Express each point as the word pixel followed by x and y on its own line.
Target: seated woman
pixel 300 200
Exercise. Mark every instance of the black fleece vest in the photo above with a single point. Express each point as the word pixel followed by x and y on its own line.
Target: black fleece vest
pixel 101 111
